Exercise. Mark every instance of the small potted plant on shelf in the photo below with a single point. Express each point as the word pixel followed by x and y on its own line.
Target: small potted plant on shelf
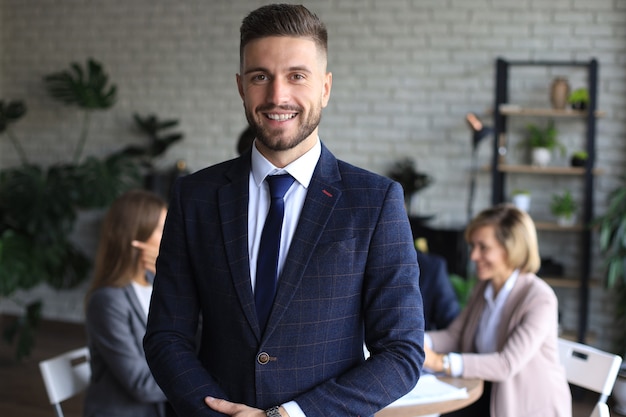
pixel 579 99
pixel 542 142
pixel 563 206
pixel 521 199
pixel 579 159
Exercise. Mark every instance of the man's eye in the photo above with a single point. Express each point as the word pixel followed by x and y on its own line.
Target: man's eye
pixel 259 77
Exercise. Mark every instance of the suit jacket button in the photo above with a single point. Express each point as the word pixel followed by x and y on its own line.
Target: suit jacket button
pixel 263 358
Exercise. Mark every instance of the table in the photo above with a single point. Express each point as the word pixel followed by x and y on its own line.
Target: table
pixel 474 391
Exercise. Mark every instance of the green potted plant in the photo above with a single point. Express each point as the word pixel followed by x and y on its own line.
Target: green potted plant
pixel 521 199
pixel 542 142
pixel 579 99
pixel 579 159
pixel 40 205
pixel 564 207
pixel 412 181
pixel 462 287
pixel 611 228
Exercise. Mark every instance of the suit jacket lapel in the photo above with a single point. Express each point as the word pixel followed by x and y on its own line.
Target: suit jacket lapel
pixel 321 198
pixel 233 211
pixel 130 294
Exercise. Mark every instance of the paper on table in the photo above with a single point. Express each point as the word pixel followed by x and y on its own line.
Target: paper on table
pixel 429 390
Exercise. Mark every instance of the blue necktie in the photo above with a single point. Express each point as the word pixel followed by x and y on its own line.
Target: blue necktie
pixel 267 262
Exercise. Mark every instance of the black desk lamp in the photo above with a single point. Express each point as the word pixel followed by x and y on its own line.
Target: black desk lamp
pixel 479 132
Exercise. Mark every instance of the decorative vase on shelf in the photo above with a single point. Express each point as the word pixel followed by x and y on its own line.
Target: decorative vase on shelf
pixel 559 93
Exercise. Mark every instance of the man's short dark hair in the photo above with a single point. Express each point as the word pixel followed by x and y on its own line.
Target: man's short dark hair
pixel 283 20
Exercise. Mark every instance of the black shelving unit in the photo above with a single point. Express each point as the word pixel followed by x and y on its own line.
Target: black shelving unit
pixel 499 171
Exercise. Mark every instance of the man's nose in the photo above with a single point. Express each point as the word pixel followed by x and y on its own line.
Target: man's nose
pixel 278 91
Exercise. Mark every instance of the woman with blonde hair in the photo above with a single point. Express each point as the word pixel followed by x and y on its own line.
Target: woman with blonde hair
pixel 117 308
pixel 507 334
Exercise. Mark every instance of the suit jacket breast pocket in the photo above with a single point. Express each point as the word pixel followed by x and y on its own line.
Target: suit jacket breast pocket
pixel 336 257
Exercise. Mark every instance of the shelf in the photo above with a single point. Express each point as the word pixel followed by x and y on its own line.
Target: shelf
pixel 549 170
pixel 561 282
pixel 502 111
pixel 549 226
pixel 514 110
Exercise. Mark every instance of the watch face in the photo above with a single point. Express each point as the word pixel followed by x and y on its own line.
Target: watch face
pixel 272 412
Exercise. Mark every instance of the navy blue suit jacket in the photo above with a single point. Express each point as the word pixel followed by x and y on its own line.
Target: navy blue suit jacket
pixel 441 305
pixel 351 276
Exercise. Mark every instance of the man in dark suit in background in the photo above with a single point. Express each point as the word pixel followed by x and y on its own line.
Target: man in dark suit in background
pixel 441 304
pixel 347 270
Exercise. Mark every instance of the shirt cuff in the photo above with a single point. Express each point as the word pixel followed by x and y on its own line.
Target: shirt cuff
pixel 456 364
pixel 428 342
pixel 293 409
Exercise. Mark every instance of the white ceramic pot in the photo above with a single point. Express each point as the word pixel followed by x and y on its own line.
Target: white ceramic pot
pixel 541 156
pixel 522 202
pixel 566 221
pixel 619 394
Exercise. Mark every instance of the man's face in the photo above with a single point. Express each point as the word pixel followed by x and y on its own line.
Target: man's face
pixel 284 86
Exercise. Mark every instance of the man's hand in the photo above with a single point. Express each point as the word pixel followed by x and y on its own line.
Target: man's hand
pixel 233 409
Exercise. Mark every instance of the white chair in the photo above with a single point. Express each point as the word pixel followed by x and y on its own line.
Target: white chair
pixel 592 369
pixel 65 376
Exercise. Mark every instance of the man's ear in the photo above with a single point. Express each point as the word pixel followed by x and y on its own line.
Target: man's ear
pixel 328 83
pixel 239 85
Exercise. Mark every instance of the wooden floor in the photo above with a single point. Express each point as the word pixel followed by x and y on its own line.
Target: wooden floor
pixel 22 393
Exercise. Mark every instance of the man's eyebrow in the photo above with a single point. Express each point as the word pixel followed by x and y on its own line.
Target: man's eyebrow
pixel 299 68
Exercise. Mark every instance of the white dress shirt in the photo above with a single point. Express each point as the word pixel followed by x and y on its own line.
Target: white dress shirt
pixel 258 206
pixel 143 292
pixel 486 335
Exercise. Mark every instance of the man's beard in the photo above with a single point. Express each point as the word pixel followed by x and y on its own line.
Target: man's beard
pixel 282 142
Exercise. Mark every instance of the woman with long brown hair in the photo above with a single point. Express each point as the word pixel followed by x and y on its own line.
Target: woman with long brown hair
pixel 117 308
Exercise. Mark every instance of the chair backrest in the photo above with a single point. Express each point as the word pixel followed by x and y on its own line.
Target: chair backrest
pixel 589 368
pixel 600 410
pixel 65 375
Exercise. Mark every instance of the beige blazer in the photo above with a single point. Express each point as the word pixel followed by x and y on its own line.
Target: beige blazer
pixel 527 377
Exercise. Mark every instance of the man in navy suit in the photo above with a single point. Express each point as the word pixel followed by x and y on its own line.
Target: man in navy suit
pixel 348 273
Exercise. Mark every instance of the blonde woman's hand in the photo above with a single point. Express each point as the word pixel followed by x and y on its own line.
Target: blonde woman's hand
pixel 149 254
pixel 433 360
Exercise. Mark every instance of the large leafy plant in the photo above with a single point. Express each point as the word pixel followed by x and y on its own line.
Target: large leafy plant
pixel 39 205
pixel 612 234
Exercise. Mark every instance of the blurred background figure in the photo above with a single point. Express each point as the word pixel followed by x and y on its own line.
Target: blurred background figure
pixel 507 333
pixel 441 305
pixel 246 139
pixel 117 308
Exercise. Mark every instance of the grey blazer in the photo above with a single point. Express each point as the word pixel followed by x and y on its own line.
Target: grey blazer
pixel 121 382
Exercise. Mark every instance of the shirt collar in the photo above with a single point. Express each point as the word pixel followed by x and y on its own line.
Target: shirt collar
pixel 504 291
pixel 301 169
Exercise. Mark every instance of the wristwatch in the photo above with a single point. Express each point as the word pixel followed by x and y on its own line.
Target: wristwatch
pixel 272 412
pixel 446 364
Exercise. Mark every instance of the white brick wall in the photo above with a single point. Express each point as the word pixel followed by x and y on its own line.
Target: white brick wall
pixel 405 73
